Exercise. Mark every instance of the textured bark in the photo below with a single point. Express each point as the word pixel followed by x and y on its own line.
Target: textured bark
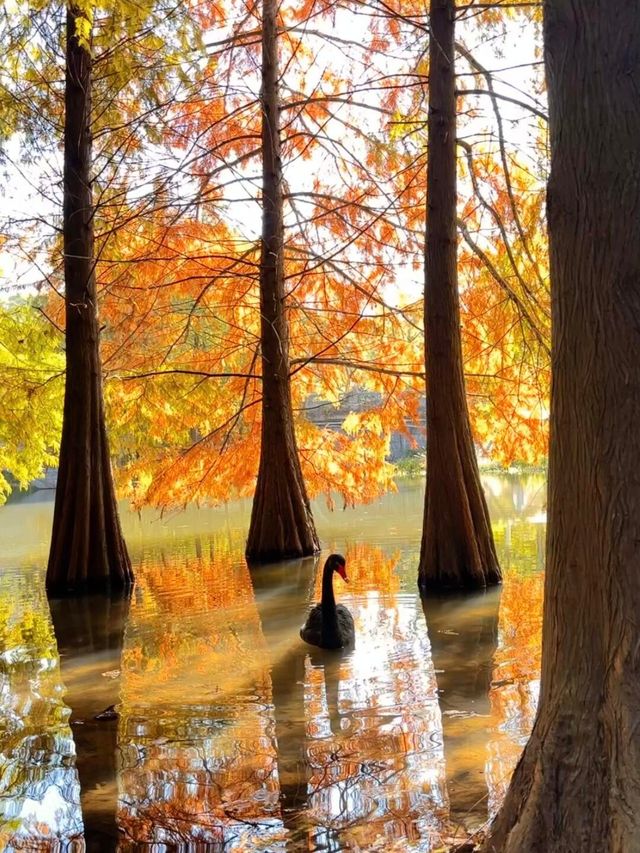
pixel 457 543
pixel 577 786
pixel 281 521
pixel 87 547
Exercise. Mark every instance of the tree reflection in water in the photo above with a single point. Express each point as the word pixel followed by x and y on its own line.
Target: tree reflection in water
pixel 198 764
pixel 463 630
pixel 516 679
pixel 233 734
pixel 39 790
pixel 89 633
pixel 282 595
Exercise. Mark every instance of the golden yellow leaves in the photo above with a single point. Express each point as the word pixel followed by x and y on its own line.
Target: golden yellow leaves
pixel 31 387
pixel 83 11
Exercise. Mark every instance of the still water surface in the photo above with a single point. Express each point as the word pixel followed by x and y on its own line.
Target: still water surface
pixel 234 735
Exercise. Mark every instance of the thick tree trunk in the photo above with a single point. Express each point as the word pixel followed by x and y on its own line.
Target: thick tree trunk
pixel 577 786
pixel 281 521
pixel 87 547
pixel 457 544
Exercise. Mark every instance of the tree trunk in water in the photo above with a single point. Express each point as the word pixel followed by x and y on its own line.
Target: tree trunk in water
pixel 457 544
pixel 87 547
pixel 281 521
pixel 577 786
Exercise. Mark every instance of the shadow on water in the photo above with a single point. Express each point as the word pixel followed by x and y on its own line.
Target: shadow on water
pixel 89 634
pixel 463 632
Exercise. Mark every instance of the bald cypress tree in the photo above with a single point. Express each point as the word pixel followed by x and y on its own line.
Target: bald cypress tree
pixel 281 521
pixel 457 543
pixel 576 788
pixel 87 547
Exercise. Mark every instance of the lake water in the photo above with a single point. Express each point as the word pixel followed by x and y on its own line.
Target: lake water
pixel 232 734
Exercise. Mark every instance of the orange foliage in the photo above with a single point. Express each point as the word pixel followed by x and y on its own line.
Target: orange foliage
pixel 369 569
pixel 179 293
pixel 178 266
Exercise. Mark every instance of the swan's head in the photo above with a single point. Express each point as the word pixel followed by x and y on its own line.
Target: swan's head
pixel 337 563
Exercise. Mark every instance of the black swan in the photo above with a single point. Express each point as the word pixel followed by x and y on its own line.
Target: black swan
pixel 330 626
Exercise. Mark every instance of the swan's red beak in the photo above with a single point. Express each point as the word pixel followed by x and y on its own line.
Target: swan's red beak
pixel 342 571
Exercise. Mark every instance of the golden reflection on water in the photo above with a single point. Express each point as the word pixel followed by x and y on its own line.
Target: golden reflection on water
pixel 233 733
pixel 198 761
pixel 375 768
pixel 39 789
pixel 514 689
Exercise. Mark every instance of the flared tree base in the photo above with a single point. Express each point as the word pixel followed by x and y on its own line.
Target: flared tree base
pixel 88 552
pixel 575 789
pixel 457 551
pixel 281 522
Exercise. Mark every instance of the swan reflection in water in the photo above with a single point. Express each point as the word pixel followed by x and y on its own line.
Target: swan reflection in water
pixel 358 732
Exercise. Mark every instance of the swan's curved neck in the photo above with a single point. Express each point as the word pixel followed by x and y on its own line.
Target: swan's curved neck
pixel 328 598
pixel 330 633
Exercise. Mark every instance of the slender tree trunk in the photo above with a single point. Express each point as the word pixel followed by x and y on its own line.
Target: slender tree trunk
pixel 281 521
pixel 577 786
pixel 457 544
pixel 87 547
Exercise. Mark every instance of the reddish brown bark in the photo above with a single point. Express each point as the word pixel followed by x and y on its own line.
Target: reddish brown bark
pixel 281 521
pixel 87 547
pixel 577 786
pixel 457 543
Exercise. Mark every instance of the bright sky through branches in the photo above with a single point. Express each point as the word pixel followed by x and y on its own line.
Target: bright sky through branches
pixel 177 188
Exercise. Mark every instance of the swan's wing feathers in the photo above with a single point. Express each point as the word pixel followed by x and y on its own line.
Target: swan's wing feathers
pixel 311 631
pixel 344 616
pixel 346 624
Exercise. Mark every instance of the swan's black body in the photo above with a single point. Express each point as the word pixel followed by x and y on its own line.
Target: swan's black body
pixel 328 625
